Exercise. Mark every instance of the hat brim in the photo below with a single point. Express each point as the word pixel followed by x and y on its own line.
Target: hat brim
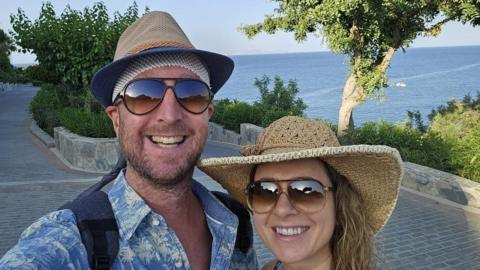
pixel 373 171
pixel 220 67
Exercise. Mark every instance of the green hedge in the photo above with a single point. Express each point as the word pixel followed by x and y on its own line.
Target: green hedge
pixel 49 111
pixel 274 103
pixel 46 108
pixel 87 123
pixel 427 149
pixel 451 141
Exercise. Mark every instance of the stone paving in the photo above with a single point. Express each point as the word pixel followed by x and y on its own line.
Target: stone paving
pixel 421 233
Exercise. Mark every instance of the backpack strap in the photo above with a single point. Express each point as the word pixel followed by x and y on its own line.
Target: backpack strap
pixel 98 228
pixel 96 221
pixel 244 238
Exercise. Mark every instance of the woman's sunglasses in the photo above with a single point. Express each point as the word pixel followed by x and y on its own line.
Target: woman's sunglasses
pixel 305 194
pixel 144 95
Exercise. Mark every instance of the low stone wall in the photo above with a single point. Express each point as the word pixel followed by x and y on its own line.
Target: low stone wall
pixel 6 86
pixel 441 184
pixel 249 133
pixel 100 155
pixel 88 154
pixel 216 132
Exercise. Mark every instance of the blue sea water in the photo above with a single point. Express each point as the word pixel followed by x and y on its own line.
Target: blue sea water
pixel 428 77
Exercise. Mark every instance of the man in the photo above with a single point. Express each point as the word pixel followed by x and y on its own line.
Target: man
pixel 158 93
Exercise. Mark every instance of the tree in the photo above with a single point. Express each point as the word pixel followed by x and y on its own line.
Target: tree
pixel 6 47
pixel 368 32
pixel 71 46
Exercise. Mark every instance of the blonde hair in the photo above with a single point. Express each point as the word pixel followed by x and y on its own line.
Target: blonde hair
pixel 352 241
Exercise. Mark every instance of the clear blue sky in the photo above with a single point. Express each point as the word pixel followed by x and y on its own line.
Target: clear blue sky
pixel 212 25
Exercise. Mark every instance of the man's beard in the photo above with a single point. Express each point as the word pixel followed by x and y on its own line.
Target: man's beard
pixel 145 167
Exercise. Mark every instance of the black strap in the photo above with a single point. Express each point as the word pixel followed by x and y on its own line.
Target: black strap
pixel 244 232
pixel 96 221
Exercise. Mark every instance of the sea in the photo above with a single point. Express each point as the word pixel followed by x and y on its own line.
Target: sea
pixel 419 79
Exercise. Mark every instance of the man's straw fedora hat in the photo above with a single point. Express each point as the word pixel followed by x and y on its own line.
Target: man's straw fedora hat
pixel 374 171
pixel 155 32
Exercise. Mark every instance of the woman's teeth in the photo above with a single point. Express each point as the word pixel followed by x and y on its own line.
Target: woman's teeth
pixel 290 231
pixel 167 141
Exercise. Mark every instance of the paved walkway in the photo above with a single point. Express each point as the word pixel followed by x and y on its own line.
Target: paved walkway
pixel 421 234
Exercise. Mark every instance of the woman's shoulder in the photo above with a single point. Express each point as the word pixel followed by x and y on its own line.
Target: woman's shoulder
pixel 270 265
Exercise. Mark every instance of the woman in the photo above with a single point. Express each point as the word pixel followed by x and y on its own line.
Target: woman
pixel 316 204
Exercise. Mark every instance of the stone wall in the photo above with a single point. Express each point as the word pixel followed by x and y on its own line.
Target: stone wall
pixel 88 154
pixel 249 133
pixel 100 155
pixel 216 132
pixel 441 184
pixel 6 86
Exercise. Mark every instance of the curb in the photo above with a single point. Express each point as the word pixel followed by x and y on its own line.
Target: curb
pixel 44 137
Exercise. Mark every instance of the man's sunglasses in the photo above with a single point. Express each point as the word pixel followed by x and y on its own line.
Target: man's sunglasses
pixel 144 95
pixel 305 194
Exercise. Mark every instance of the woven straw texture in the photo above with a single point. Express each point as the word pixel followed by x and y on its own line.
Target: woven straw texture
pixel 152 31
pixel 374 171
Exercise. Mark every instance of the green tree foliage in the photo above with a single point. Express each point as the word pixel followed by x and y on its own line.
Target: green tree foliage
pixel 458 124
pixel 273 104
pixel 6 47
pixel 279 101
pixel 450 143
pixel 368 32
pixel 73 45
pixel 426 149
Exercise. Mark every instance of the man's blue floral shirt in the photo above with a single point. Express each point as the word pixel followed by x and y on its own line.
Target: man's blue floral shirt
pixel 146 241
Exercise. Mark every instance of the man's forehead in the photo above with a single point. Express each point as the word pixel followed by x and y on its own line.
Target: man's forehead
pixel 167 72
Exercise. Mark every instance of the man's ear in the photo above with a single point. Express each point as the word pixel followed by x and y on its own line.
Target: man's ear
pixel 210 110
pixel 113 114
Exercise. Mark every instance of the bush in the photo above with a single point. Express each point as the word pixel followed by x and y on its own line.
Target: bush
pixel 46 107
pixel 87 123
pixel 279 101
pixel 427 149
pixel 273 104
pixel 466 155
pixel 230 114
pixel 458 124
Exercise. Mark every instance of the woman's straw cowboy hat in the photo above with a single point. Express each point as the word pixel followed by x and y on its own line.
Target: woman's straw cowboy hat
pixel 374 171
pixel 155 32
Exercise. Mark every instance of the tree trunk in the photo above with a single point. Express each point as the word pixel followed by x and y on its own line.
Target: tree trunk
pixel 354 96
pixel 350 99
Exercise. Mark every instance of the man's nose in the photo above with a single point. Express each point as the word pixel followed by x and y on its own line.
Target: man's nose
pixel 169 110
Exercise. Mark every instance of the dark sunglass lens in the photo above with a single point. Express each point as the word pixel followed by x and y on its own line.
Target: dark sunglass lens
pixel 143 96
pixel 193 95
pixel 307 195
pixel 262 196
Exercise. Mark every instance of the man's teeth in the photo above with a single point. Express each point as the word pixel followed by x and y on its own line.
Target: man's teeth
pixel 290 231
pixel 167 140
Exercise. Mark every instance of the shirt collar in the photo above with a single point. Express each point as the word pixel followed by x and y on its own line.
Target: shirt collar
pixel 130 209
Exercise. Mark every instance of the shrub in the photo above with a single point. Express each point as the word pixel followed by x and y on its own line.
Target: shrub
pixel 279 101
pixel 46 107
pixel 466 155
pixel 230 114
pixel 273 104
pixel 427 149
pixel 87 123
pixel 458 123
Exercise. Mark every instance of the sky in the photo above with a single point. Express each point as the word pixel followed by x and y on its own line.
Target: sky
pixel 213 25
